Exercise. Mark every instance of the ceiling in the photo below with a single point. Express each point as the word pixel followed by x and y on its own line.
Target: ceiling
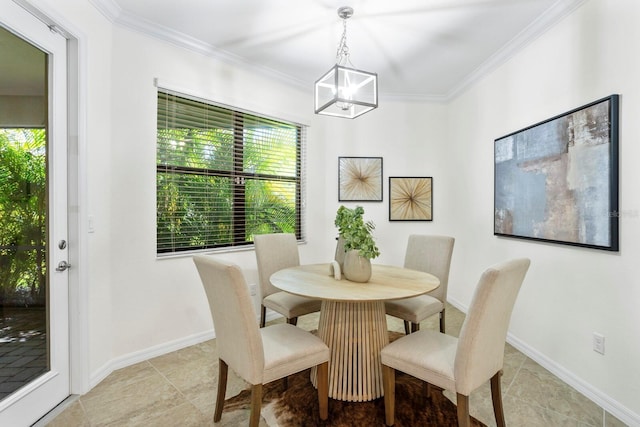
pixel 421 49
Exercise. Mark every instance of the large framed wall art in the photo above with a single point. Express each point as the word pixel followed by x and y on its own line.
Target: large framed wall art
pixel 557 181
pixel 410 198
pixel 360 179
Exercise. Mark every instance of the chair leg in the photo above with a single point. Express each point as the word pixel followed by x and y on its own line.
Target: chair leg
pixel 442 321
pixel 496 396
pixel 463 410
pixel 285 383
pixel 415 327
pixel 389 387
pixel 425 397
pixel 256 404
pixel 293 321
pixel 223 369
pixel 407 327
pixel 263 315
pixel 323 389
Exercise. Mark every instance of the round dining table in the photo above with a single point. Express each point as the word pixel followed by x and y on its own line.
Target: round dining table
pixel 352 320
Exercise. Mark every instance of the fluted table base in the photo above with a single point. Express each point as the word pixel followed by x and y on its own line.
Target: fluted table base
pixel 355 332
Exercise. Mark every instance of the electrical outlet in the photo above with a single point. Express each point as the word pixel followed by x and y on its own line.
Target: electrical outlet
pixel 598 343
pixel 253 289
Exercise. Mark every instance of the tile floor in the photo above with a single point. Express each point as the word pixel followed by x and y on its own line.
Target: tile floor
pixel 178 389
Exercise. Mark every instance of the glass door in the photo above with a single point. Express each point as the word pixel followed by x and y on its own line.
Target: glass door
pixel 34 340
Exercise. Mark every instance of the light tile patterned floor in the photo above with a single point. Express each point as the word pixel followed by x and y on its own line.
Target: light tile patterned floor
pixel 179 389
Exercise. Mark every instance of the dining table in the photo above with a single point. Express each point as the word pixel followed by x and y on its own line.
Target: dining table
pixel 353 321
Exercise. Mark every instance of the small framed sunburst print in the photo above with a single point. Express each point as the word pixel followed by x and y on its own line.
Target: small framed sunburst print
pixel 410 198
pixel 360 179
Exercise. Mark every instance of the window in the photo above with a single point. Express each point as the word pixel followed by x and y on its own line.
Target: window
pixel 223 176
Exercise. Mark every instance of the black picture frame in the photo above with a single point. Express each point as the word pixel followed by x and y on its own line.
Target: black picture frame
pixel 360 179
pixel 557 181
pixel 410 198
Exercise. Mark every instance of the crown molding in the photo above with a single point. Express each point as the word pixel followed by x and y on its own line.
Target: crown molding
pixel 553 15
pixel 561 9
pixel 116 15
pixel 413 97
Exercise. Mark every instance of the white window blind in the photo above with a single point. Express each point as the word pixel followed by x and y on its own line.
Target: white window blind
pixel 223 175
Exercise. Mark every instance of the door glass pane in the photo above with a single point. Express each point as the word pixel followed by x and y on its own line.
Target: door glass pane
pixel 23 214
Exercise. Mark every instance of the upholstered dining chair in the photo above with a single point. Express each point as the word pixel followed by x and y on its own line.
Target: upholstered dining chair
pixel 257 355
pixel 461 364
pixel 274 252
pixel 431 254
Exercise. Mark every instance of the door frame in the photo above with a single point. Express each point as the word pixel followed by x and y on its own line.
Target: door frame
pixel 77 192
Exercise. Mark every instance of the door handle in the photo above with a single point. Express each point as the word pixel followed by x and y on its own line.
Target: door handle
pixel 63 265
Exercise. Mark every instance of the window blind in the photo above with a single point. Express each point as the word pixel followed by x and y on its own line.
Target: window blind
pixel 223 175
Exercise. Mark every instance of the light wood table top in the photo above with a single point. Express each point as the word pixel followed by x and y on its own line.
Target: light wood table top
pixel 387 283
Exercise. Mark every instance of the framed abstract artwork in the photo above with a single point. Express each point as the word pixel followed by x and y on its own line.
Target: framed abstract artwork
pixel 557 181
pixel 360 179
pixel 410 198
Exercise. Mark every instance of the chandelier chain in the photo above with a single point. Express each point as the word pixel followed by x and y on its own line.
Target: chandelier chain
pixel 342 54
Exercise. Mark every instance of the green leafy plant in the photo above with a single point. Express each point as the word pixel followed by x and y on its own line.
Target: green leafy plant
pixel 356 233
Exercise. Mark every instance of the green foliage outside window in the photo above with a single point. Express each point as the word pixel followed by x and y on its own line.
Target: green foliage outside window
pixel 23 216
pixel 223 176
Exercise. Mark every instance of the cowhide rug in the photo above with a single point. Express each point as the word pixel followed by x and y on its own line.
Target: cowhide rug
pixel 298 406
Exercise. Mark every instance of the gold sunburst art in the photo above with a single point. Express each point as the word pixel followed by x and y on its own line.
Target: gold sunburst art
pixel 410 199
pixel 360 179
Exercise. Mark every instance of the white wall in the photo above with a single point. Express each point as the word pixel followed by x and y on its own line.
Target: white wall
pixel 569 292
pixel 164 298
pixel 139 305
pixel 410 138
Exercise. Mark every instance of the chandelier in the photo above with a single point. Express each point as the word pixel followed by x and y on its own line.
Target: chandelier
pixel 345 91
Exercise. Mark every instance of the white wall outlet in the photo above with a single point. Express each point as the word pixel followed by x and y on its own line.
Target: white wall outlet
pixel 253 289
pixel 598 343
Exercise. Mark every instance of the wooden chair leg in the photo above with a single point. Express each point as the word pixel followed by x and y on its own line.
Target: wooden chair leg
pixel 389 387
pixel 285 383
pixel 425 396
pixel 407 327
pixel 415 327
pixel 323 390
pixel 223 369
pixel 263 315
pixel 496 397
pixel 442 321
pixel 463 410
pixel 256 404
pixel 293 321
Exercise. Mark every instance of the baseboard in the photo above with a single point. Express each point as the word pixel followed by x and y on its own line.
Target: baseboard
pixel 148 353
pixel 603 400
pixel 155 351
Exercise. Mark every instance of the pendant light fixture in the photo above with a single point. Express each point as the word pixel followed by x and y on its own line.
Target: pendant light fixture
pixel 344 91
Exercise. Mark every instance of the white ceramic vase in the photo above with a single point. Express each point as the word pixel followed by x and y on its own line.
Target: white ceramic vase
pixel 356 268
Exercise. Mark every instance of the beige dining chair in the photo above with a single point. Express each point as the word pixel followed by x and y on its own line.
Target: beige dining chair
pixel 431 254
pixel 274 252
pixel 257 355
pixel 461 364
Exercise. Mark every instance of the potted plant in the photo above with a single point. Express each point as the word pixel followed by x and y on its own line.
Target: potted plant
pixel 356 246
